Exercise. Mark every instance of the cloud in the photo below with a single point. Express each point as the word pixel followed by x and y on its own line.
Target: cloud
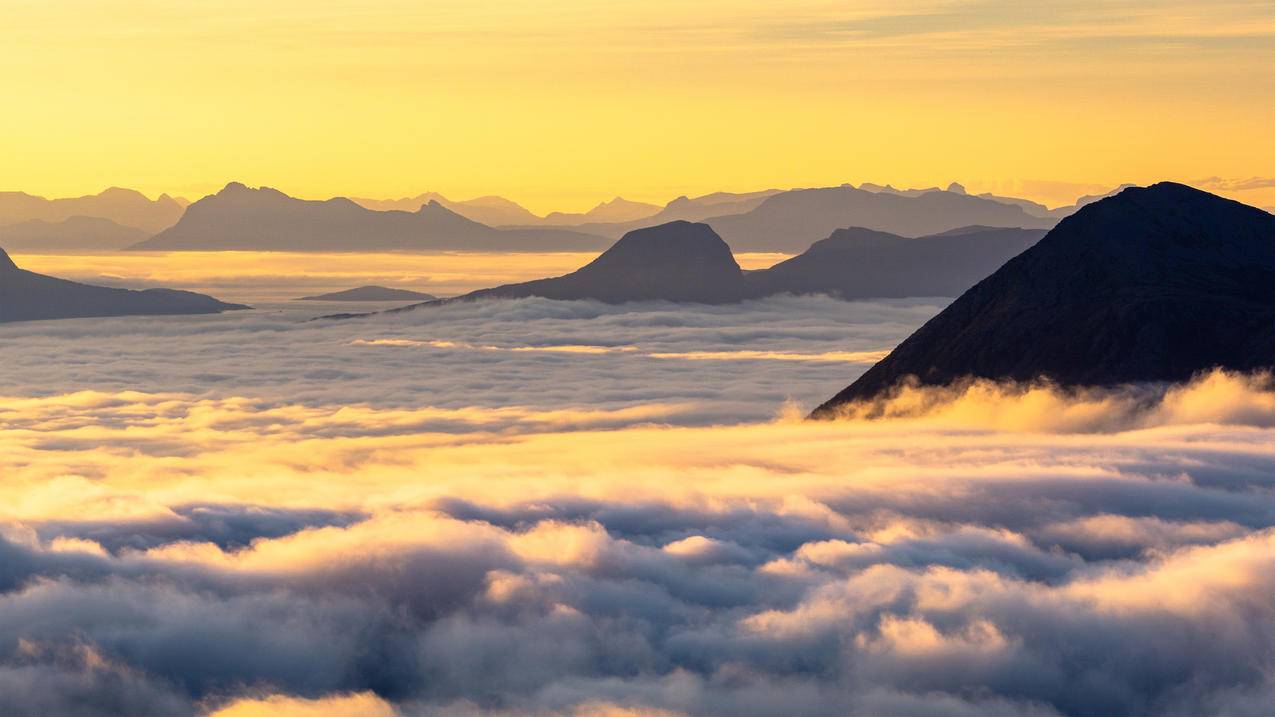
pixel 524 356
pixel 1236 185
pixel 606 533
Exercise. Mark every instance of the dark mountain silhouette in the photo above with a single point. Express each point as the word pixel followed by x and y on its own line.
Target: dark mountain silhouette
pixel 859 263
pixel 122 206
pixel 71 235
pixel 791 221
pixel 372 293
pixel 489 210
pixel 1150 285
pixel 678 261
pixel 240 218
pixel 688 262
pixel 27 296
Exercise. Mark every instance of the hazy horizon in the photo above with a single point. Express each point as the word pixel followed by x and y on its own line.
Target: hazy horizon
pixel 1052 194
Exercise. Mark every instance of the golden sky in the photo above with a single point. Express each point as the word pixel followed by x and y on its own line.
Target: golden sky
pixel 561 103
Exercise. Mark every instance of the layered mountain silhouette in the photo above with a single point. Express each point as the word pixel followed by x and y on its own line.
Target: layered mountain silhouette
pixel 858 263
pixel 71 235
pixel 678 261
pixel 688 209
pixel 1152 285
pixel 27 296
pixel 615 211
pixel 372 293
pixel 789 222
pixel 240 218
pixel 489 210
pixel 688 262
pixel 122 206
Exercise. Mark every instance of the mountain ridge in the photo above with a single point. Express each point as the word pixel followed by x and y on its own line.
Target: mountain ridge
pixel 1153 284
pixel 241 218
pixel 27 296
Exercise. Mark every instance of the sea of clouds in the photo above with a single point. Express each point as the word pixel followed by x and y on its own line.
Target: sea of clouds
pixel 534 508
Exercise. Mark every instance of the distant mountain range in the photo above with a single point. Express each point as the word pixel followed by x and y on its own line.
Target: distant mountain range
pixel 688 262
pixel 689 209
pixel 27 296
pixel 1152 285
pixel 489 210
pixel 68 236
pixel 372 293
pixel 615 211
pixel 245 219
pixel 122 206
pixel 790 221
pixel 772 220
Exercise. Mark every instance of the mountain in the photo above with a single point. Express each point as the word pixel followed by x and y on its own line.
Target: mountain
pixel 689 262
pixel 122 206
pixel 1154 284
pixel 678 261
pixel 27 296
pixel 69 236
pixel 489 210
pixel 791 221
pixel 616 210
pixel 240 218
pixel 858 263
pixel 372 293
pixel 688 209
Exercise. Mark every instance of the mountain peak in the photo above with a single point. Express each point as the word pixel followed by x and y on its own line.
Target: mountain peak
pixel 1153 284
pixel 677 261
pixel 956 188
pixel 6 264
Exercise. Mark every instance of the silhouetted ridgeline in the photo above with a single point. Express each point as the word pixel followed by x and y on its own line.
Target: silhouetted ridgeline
pixel 859 263
pixel 791 221
pixel 372 293
pixel 122 206
pixel 27 296
pixel 689 262
pixel 71 235
pixel 679 261
pixel 1152 284
pixel 240 218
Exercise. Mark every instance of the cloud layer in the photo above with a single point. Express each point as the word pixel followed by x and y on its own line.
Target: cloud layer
pixel 286 541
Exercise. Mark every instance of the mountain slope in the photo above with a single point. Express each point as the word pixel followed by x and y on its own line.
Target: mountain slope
pixel 859 263
pixel 1152 284
pixel 240 218
pixel 27 296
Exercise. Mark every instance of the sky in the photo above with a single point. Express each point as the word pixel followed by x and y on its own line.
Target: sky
pixel 562 103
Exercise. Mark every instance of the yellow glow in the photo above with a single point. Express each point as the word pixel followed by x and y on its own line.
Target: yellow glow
pixel 562 103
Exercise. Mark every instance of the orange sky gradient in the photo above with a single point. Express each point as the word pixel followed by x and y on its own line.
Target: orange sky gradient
pixel 559 104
